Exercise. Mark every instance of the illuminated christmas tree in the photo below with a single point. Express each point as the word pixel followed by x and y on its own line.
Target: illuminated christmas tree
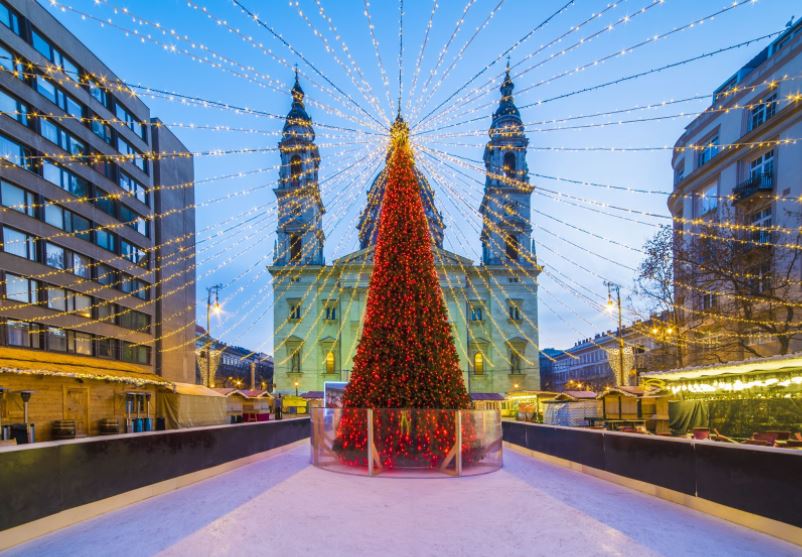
pixel 406 358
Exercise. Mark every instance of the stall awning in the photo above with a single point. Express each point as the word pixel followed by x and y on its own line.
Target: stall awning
pixel 195 390
pixel 312 395
pixel 487 396
pixel 789 362
pixel 48 364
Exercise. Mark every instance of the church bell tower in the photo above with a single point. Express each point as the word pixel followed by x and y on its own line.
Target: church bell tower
pixel 507 229
pixel 299 236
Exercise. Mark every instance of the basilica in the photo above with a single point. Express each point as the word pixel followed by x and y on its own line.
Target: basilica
pixel 492 306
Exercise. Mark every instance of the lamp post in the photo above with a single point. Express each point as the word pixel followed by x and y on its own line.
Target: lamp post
pixel 209 310
pixel 611 286
pixel 296 388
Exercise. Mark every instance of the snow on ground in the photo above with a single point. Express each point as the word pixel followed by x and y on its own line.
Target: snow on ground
pixel 282 506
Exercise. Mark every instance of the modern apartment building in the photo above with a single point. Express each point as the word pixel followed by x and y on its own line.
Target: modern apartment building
pixel 737 212
pixel 97 258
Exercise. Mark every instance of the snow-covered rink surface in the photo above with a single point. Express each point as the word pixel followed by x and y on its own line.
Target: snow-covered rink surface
pixel 282 506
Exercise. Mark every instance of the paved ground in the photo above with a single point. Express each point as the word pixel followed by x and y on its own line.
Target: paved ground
pixel 281 506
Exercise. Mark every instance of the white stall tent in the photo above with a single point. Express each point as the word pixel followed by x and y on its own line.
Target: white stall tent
pixel 570 408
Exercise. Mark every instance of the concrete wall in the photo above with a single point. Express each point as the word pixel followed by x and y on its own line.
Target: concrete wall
pixel 175 260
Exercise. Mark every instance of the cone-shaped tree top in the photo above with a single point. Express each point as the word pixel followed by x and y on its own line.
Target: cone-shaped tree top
pixel 406 357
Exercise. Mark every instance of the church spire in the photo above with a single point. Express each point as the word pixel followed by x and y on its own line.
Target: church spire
pixel 505 209
pixel 300 209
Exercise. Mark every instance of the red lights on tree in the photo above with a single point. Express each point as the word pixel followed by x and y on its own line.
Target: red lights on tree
pixel 406 358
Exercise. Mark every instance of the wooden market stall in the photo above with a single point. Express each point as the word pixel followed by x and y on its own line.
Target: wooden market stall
pixel 636 408
pixel 571 408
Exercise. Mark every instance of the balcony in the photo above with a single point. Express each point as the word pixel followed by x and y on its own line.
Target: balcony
pixel 755 184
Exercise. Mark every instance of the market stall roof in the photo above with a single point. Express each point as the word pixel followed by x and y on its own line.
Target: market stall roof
pixel 788 362
pixel 44 364
pixel 312 395
pixel 634 392
pixel 487 396
pixel 255 393
pixel 527 394
pixel 573 396
pixel 193 389
pixel 225 391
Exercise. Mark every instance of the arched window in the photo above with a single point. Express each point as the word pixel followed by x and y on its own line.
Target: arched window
pixel 478 363
pixel 515 361
pixel 509 164
pixel 512 247
pixel 295 170
pixel 330 362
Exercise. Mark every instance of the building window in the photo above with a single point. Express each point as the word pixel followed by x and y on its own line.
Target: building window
pixel 21 289
pixel 11 63
pixel 134 254
pixel 762 111
pixel 65 179
pixel 295 361
pixel 19 333
pixel 9 18
pixel 295 171
pixel 476 313
pixel 132 155
pixel 514 311
pixel 134 320
pixel 19 244
pixel 761 221
pixel 330 362
pixel 134 353
pixel 679 172
pixel 515 362
pixel 79 343
pixel 295 311
pixel 106 348
pixel 133 219
pixel 296 243
pixel 54 55
pixel 105 240
pixel 707 200
pixel 56 339
pixel 13 152
pixel 14 109
pixel 331 312
pixel 512 247
pixel 133 187
pixel 59 137
pixel 105 275
pixel 710 150
pixel 478 363
pixel 18 199
pixel 709 302
pixel 127 119
pixel 760 280
pixel 509 165
pixel 59 98
pixel 67 221
pixel 762 166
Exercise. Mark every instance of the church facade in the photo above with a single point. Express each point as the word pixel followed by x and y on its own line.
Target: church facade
pixel 318 307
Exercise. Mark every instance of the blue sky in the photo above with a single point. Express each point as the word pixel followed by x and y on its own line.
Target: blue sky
pixel 256 72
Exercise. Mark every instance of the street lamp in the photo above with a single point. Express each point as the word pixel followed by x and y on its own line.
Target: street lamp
pixel 215 308
pixel 611 286
pixel 296 388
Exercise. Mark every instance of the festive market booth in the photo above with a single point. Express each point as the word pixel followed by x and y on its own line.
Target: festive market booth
pixel 291 404
pixel 746 400
pixel 235 402
pixel 189 405
pixel 256 405
pixel 636 409
pixel 571 408
pixel 526 403
pixel 487 401
pixel 49 395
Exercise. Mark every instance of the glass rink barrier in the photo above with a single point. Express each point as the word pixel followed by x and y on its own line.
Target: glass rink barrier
pixel 406 441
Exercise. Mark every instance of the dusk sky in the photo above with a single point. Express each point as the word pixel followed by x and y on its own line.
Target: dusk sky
pixel 255 71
